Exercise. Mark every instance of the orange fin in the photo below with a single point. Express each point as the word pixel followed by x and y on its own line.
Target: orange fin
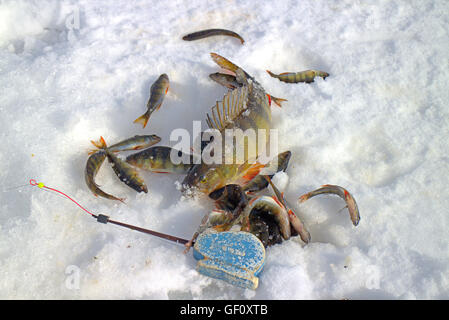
pixel 278 101
pixel 100 144
pixel 91 151
pixel 253 171
pixel 271 74
pixel 143 119
pixel 96 144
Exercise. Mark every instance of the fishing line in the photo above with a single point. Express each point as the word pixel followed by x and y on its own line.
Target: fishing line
pixel 105 219
pixel 15 188
pixel 41 185
pixel 342 209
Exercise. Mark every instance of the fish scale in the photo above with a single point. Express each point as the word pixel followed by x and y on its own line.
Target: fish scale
pixel 246 107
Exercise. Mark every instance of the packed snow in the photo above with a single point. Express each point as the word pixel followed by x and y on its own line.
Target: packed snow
pixel 72 71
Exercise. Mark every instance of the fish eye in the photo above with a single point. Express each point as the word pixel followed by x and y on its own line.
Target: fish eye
pixel 203 179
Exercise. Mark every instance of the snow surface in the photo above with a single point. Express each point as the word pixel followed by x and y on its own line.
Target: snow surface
pixel 379 126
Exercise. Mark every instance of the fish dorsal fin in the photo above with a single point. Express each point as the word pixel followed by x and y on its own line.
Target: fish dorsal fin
pixel 226 110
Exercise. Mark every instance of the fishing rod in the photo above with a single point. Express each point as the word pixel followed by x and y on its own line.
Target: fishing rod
pixel 238 259
pixel 102 218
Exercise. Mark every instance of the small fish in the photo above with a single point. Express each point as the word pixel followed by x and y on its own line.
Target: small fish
pixel 292 216
pixel 126 173
pixel 342 193
pixel 92 166
pixel 211 32
pixel 307 76
pixel 135 143
pixel 158 159
pixel 158 91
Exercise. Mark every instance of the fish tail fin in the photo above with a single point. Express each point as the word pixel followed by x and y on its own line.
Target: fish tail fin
pixel 272 74
pixel 278 101
pixel 91 151
pixel 96 143
pixel 100 144
pixel 143 119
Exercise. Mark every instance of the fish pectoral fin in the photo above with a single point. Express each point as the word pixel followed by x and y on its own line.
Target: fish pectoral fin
pixel 252 171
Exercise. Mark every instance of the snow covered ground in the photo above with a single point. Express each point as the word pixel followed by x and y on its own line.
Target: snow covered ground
pixel 71 71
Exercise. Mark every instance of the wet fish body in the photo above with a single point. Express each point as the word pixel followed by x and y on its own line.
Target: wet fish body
pixel 135 143
pixel 158 91
pixel 126 173
pixel 211 32
pixel 296 223
pixel 158 159
pixel 273 207
pixel 307 76
pixel 93 164
pixel 342 193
